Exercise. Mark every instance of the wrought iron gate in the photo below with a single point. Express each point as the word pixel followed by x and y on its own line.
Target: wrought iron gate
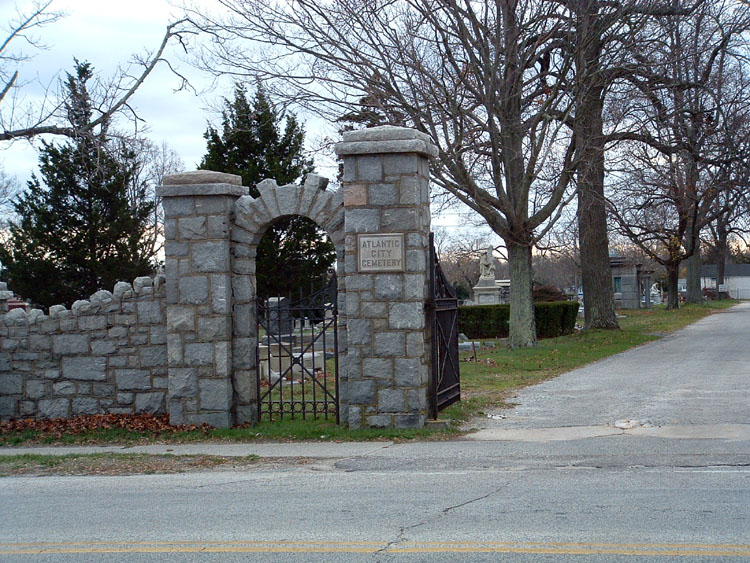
pixel 445 385
pixel 297 355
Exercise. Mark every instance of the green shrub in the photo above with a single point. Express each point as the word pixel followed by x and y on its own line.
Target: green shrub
pixel 484 321
pixel 491 321
pixel 547 294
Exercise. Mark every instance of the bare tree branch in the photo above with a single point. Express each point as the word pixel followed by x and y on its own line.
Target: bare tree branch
pixel 45 118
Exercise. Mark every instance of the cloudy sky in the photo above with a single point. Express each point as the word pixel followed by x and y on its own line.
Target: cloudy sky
pixel 107 33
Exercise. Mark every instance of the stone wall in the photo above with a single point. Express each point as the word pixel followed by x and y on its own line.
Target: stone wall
pixel 187 344
pixel 104 355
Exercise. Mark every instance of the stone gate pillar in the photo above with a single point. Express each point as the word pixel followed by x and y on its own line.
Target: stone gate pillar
pixel 197 209
pixel 386 225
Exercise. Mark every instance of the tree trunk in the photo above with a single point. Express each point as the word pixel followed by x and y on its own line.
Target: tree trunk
pixel 596 276
pixel 721 254
pixel 522 324
pixel 693 269
pixel 673 274
pixel 693 279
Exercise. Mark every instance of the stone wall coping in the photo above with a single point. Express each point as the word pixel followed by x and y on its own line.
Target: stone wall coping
pixel 418 146
pixel 143 286
pixel 201 177
pixel 385 133
pixel 173 190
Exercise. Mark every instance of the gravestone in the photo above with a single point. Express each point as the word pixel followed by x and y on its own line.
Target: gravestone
pixel 278 316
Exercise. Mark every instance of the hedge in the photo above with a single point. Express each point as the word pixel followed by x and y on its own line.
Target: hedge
pixel 491 321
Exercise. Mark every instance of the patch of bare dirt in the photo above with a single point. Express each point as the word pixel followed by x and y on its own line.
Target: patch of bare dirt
pixel 120 464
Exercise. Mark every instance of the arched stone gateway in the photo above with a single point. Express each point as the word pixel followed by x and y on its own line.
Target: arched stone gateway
pixel 252 218
pixel 379 223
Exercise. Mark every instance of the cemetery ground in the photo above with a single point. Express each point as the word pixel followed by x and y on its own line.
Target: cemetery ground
pixel 489 378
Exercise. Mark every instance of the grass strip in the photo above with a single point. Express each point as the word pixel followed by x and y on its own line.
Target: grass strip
pixel 116 464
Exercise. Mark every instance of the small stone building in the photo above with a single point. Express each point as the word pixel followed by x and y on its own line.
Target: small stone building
pixel 630 281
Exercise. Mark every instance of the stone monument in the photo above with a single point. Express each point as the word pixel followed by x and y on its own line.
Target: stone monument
pixel 487 267
pixel 488 290
pixel 278 316
pixel 655 295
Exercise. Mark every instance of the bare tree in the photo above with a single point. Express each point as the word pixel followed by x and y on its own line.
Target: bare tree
pixel 648 205
pixel 731 211
pixel 559 260
pixel 482 79
pixel 20 120
pixel 687 92
pixel 149 164
pixel 8 190
pixel 605 33
pixel 22 29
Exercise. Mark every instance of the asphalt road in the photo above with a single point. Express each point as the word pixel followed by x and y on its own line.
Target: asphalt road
pixel 555 481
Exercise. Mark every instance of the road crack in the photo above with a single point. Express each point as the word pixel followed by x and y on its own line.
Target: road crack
pixel 400 537
pixel 493 492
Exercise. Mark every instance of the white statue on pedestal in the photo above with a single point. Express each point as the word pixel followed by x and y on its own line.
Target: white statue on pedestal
pixel 487 265
pixel 655 296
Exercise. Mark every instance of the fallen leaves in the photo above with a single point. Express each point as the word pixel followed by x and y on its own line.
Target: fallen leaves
pixel 83 423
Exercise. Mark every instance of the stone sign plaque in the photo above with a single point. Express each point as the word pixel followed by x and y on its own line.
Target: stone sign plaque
pixel 381 253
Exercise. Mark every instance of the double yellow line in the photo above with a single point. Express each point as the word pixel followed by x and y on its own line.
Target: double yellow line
pixel 550 548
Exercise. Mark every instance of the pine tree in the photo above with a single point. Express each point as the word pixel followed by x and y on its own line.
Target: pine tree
pixel 293 253
pixel 78 230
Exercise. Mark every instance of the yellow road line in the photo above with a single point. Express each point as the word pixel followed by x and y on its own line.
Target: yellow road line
pixel 549 548
pixel 188 543
pixel 380 543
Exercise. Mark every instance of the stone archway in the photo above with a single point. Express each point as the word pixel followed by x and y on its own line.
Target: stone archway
pixel 252 217
pixel 212 229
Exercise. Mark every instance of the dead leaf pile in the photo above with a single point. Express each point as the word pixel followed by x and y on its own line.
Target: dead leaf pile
pixel 82 423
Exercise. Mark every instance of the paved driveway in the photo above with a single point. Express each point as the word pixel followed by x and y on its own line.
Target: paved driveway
pixel 697 380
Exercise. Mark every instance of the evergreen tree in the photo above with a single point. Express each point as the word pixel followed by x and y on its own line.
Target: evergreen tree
pixel 78 231
pixel 293 253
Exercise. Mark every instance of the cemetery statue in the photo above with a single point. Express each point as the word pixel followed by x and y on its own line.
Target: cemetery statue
pixel 487 265
pixel 655 296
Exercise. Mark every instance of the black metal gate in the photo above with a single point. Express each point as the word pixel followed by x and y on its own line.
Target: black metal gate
pixel 445 385
pixel 297 355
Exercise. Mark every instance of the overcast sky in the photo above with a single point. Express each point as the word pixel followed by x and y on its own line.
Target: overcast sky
pixel 107 33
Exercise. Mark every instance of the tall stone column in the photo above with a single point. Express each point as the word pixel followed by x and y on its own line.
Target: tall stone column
pixel 197 209
pixel 386 224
